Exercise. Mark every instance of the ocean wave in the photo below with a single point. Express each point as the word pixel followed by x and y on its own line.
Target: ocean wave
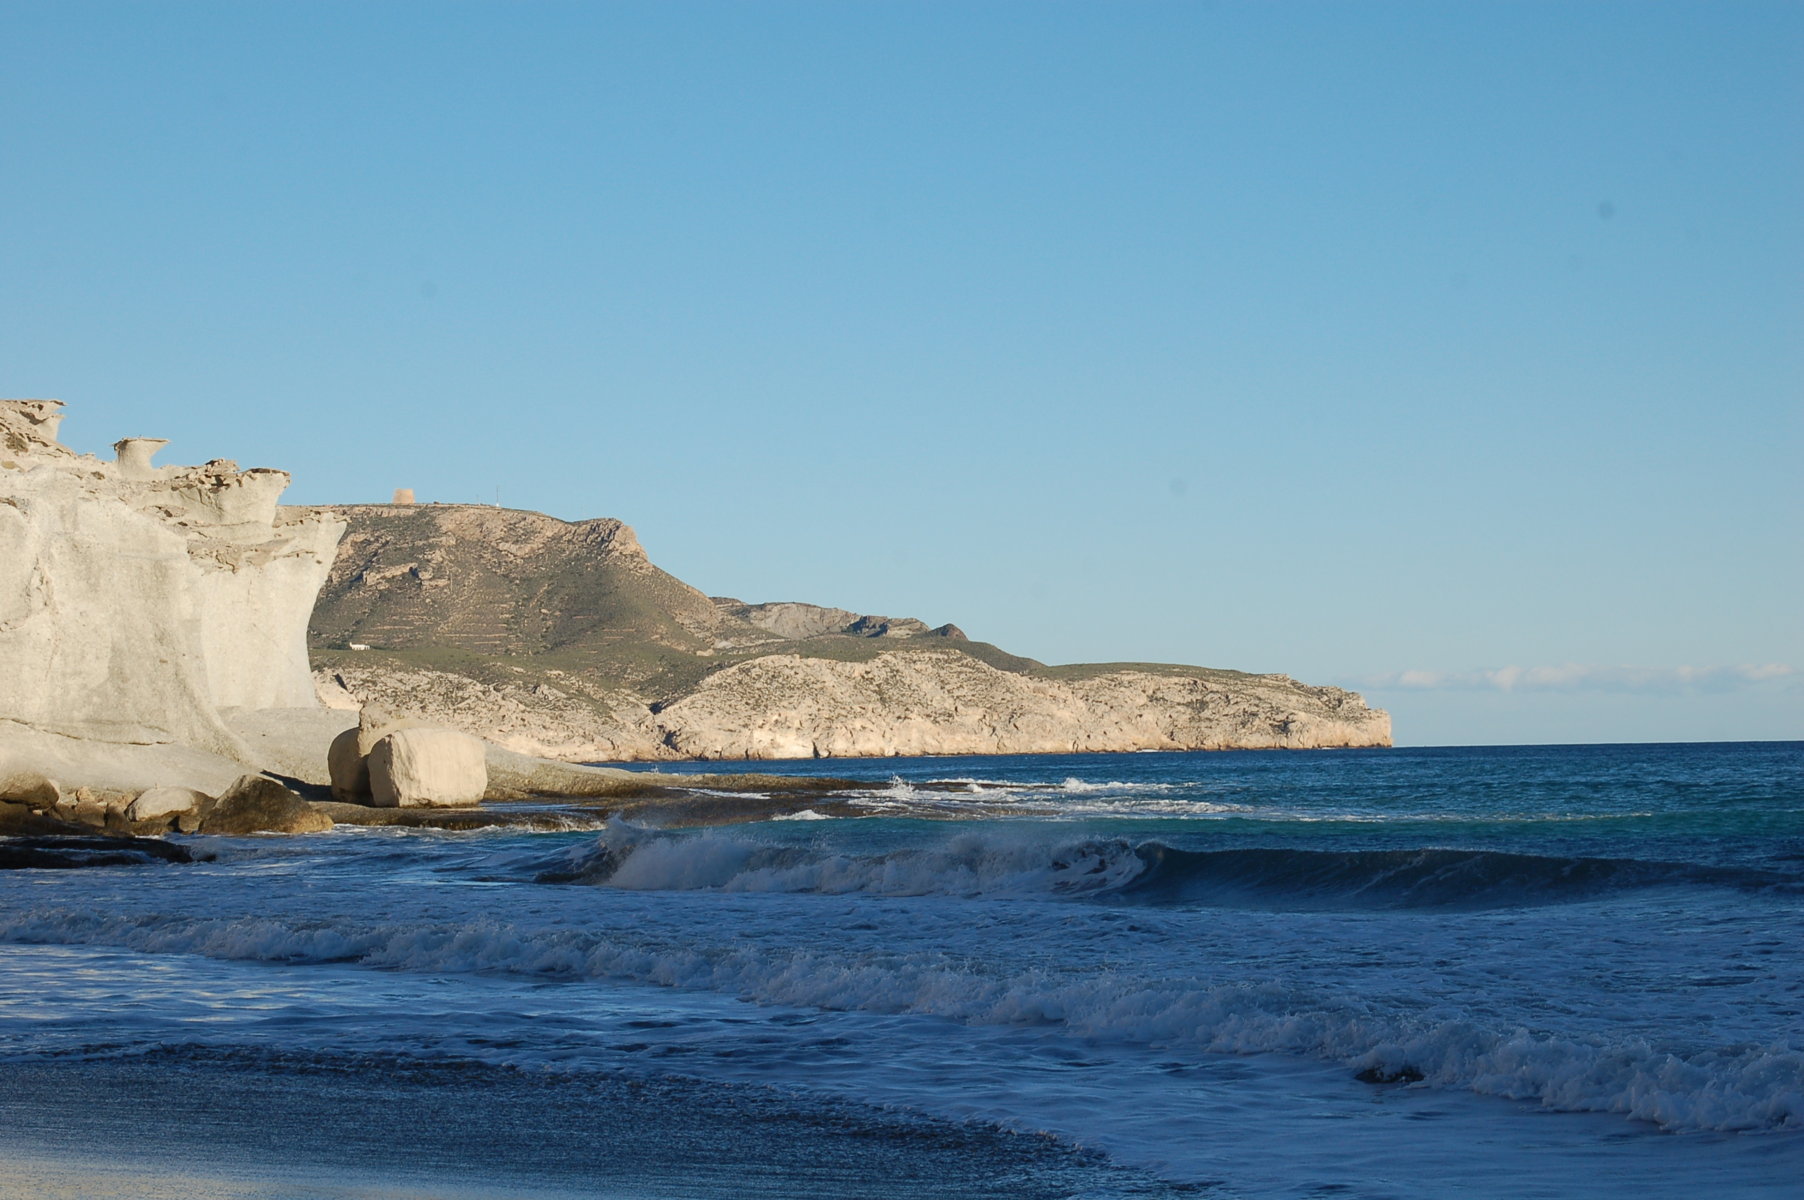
pixel 967 864
pixel 1084 787
pixel 954 797
pixel 991 864
pixel 1727 1088
pixel 1412 878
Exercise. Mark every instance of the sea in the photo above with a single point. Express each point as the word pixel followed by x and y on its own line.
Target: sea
pixel 1547 971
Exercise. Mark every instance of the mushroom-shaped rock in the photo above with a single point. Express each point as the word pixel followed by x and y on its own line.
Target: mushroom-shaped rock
pixel 133 455
pixel 160 802
pixel 220 495
pixel 258 804
pixel 29 426
pixel 427 767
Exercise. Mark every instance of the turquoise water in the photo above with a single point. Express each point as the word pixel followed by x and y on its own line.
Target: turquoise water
pixel 1545 971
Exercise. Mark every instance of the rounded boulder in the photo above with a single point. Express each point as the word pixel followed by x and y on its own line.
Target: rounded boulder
pixel 159 802
pixel 348 768
pixel 427 767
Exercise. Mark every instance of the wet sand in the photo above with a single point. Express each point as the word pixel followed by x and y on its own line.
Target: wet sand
pixel 211 1125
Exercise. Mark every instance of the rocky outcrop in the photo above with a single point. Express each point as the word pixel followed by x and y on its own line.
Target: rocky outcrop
pixel 545 714
pixel 138 602
pixel 256 804
pixel 794 621
pixel 561 639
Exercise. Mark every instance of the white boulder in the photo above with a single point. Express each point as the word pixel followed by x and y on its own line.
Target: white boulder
pixel 427 767
pixel 349 769
pixel 347 759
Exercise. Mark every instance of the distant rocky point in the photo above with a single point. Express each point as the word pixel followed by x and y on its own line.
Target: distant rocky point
pixel 563 639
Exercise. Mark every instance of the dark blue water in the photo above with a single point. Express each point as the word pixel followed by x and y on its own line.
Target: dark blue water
pixel 1724 803
pixel 1525 971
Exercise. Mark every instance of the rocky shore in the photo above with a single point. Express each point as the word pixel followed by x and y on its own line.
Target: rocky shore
pixel 562 639
pixel 154 676
pixel 180 653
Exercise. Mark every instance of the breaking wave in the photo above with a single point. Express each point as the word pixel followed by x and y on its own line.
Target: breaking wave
pixel 1736 1087
pixel 988 864
pixel 968 864
pixel 1412 878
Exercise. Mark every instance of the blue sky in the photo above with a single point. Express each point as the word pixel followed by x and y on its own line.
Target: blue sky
pixel 1450 351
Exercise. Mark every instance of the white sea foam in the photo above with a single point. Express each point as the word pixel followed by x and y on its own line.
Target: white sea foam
pixel 1645 969
pixel 1082 787
pixel 1738 1087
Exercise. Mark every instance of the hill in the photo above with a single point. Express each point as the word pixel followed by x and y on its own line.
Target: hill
pixel 562 638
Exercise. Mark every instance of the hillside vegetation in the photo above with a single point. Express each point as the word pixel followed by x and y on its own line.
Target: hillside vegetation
pixel 563 638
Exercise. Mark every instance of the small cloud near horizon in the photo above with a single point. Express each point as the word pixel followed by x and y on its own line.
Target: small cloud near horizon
pixel 1577 677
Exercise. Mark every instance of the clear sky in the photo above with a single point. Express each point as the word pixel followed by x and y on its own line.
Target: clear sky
pixel 1450 351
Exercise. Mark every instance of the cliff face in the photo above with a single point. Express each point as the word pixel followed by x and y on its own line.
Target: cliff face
pixel 563 640
pixel 783 706
pixel 136 601
pixel 897 703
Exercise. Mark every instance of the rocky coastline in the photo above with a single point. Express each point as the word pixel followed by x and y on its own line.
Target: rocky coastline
pixel 182 654
pixel 155 679
pixel 789 706
pixel 563 639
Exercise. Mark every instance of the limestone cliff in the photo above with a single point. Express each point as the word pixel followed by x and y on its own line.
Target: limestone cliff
pixel 562 639
pixel 785 706
pixel 896 703
pixel 138 602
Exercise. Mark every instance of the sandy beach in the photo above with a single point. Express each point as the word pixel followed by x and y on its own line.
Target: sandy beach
pixel 203 1126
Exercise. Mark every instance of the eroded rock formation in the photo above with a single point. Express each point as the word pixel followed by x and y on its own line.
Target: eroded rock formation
pixel 138 602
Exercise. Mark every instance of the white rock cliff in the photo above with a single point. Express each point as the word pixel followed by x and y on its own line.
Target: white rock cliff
pixel 898 703
pixel 139 603
pixel 942 702
pixel 154 624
